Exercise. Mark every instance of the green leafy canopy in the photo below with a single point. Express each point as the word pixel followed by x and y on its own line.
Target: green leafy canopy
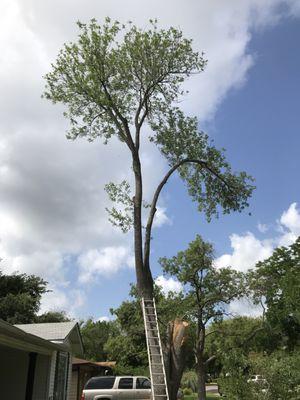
pixel 118 78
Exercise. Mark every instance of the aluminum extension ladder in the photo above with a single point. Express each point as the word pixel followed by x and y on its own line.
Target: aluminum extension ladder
pixel 155 356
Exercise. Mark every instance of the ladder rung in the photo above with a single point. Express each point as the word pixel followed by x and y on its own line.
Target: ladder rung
pixel 157 373
pixel 150 315
pixel 153 337
pixel 154 345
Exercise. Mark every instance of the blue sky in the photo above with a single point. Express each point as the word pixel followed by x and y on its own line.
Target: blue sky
pixel 52 206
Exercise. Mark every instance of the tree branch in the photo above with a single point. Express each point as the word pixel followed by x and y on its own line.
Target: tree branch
pixel 152 212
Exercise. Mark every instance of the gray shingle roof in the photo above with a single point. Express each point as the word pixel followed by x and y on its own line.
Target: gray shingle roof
pixel 50 331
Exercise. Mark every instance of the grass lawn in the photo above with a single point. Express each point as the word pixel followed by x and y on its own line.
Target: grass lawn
pixel 209 396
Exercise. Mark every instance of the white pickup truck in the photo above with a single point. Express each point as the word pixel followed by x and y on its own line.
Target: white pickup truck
pixel 117 388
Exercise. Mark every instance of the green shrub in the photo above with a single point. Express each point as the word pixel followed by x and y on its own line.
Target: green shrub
pixel 187 391
pixel 189 380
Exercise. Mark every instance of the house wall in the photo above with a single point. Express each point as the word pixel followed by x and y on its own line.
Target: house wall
pixel 74 385
pixel 69 377
pixel 41 377
pixel 13 373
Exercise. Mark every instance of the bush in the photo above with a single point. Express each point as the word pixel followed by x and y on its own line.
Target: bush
pixel 187 391
pixel 280 378
pixel 189 380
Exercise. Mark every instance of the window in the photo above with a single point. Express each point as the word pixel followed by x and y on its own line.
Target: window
pixel 103 382
pixel 126 383
pixel 143 383
pixel 61 376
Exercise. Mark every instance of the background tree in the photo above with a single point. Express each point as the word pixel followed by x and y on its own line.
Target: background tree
pixel 208 291
pixel 20 300
pixel 127 345
pixel 20 297
pixel 115 80
pixel 52 316
pixel 95 335
pixel 275 282
pixel 274 351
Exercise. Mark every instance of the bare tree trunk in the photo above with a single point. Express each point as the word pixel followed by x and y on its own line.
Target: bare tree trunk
pixel 175 355
pixel 201 378
pixel 199 351
pixel 143 273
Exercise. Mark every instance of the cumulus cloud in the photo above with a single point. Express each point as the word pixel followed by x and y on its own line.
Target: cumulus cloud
pixel 104 262
pixel 60 300
pixel 247 249
pixel 52 205
pixel 168 284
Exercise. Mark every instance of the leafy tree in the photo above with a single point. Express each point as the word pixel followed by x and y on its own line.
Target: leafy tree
pixel 52 316
pixel 279 377
pixel 20 297
pixel 117 79
pixel 127 345
pixel 275 282
pixel 95 335
pixel 208 291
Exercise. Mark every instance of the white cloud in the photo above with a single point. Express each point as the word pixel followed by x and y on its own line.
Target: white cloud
pixel 290 219
pixel 60 300
pixel 244 307
pixel 161 217
pixel 168 284
pixel 104 262
pixel 263 228
pixel 247 251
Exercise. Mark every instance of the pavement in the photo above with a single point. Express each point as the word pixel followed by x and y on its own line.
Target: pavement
pixel 212 389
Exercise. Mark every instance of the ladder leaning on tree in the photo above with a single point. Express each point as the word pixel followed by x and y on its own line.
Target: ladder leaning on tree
pixel 155 354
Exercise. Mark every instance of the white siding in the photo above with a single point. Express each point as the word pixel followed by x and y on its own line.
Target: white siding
pixel 69 377
pixel 74 385
pixel 52 375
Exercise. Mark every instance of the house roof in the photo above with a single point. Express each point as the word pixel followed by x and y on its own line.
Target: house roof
pixel 13 336
pixel 53 331
pixel 57 332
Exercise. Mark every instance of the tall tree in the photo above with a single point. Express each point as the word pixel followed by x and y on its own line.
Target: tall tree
pixel 275 282
pixel 115 80
pixel 20 297
pixel 208 291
